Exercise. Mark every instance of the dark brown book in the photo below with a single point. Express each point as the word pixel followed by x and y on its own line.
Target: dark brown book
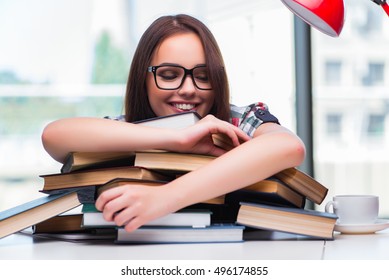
pixel 292 220
pixel 60 224
pixel 88 160
pixel 99 177
pixel 151 159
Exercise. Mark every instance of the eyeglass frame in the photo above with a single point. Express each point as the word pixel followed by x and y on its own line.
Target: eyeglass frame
pixel 153 69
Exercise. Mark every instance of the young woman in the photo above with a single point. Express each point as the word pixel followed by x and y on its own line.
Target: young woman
pixel 178 67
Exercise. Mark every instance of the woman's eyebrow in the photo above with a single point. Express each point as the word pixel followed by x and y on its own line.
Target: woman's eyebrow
pixel 176 64
pixel 169 64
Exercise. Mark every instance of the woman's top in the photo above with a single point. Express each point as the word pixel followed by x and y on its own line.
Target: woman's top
pixel 248 118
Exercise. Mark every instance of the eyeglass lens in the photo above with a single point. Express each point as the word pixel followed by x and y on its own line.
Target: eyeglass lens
pixel 172 77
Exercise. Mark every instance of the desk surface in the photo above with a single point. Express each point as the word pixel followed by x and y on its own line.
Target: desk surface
pixel 348 247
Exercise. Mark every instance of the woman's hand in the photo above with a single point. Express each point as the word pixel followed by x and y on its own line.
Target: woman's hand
pixel 133 206
pixel 198 138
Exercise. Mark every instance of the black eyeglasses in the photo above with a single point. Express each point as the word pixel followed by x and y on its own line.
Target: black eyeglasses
pixel 170 77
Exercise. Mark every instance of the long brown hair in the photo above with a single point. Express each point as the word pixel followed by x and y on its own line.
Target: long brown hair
pixel 137 106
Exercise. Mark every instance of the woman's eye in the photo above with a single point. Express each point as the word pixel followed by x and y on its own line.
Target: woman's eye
pixel 202 77
pixel 168 75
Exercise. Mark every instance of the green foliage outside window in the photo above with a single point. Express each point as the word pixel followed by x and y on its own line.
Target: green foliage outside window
pixel 111 64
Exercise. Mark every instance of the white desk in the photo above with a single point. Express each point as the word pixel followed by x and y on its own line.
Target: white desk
pixel 347 247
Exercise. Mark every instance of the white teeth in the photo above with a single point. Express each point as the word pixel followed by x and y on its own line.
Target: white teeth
pixel 184 106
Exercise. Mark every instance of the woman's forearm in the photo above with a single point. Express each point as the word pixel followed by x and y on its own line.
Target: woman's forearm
pixel 251 162
pixel 95 134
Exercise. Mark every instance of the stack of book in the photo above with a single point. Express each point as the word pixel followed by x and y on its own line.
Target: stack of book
pixel 274 204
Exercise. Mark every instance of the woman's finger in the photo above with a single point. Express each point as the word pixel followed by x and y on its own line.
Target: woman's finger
pixel 107 196
pixel 124 217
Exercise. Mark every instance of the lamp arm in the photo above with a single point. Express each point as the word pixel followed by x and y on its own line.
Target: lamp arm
pixel 379 2
pixel 383 4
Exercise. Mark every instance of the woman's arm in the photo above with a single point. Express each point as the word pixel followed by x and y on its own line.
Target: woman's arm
pixel 94 135
pixel 273 149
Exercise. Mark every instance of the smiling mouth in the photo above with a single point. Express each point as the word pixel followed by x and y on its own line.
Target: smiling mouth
pixel 184 106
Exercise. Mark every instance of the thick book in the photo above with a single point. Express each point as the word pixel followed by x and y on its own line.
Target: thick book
pixel 28 214
pixel 98 177
pixel 171 162
pixel 304 184
pixel 291 220
pixel 215 233
pixel 151 159
pixel 93 218
pixel 60 224
pixel 268 191
pixel 89 160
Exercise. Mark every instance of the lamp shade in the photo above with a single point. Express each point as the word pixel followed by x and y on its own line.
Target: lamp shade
pixel 385 6
pixel 325 15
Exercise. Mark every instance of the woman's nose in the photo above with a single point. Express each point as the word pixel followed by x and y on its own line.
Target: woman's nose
pixel 188 87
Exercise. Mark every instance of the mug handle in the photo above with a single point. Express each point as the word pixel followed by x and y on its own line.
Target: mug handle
pixel 328 206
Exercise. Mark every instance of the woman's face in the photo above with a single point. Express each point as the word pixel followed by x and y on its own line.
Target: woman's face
pixel 187 51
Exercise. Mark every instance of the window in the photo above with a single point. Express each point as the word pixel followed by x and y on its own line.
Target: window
pixel 376 125
pixel 333 72
pixel 334 125
pixel 375 74
pixel 366 20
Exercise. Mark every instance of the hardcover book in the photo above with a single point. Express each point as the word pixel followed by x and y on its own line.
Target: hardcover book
pixel 60 224
pixel 213 233
pixel 304 184
pixel 28 214
pixel 269 191
pixel 184 218
pixel 89 160
pixel 284 219
pixel 98 177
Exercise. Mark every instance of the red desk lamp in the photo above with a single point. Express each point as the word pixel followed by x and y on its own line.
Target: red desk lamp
pixel 325 15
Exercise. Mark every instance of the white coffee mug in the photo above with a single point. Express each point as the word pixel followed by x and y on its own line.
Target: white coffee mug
pixel 354 209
